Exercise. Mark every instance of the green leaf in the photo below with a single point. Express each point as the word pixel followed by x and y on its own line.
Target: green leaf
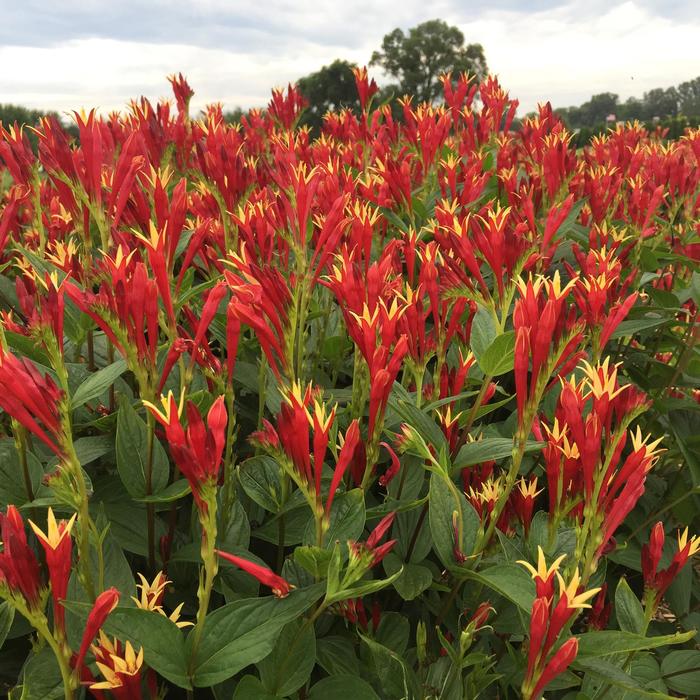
pixel 390 669
pixel 414 579
pixel 250 688
pixel 336 656
pixel 12 487
pixel 510 580
pixel 632 326
pixel 680 670
pixel 594 644
pixel 27 347
pixel 41 677
pixel 314 559
pixel 629 611
pixel 603 670
pixel 7 615
pixel 91 448
pixel 679 594
pixel 97 383
pixel 289 664
pixel 489 449
pixel 347 519
pixel 162 641
pixel 483 333
pixel 260 479
pixel 132 454
pixel 244 632
pixel 173 492
pixel 498 358
pixel 418 419
pixel 342 688
pixel 445 499
pixel 362 588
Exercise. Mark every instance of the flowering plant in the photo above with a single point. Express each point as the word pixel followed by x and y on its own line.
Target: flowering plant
pixel 405 410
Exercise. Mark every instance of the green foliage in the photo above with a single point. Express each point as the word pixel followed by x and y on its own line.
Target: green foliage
pixel 419 58
pixel 331 88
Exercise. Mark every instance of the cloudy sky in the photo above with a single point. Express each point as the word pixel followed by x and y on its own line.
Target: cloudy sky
pixel 84 53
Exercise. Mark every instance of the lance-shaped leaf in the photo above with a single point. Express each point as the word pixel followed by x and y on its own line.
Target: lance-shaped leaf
pixel 244 632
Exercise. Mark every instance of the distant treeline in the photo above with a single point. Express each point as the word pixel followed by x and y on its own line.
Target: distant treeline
pixel 656 105
pixel 9 114
pixel 673 108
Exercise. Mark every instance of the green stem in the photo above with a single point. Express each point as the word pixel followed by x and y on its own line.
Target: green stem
pixel 262 389
pixel 472 413
pixel 207 573
pixel 69 683
pixel 91 351
pixel 21 445
pixel 84 521
pixel 228 491
pixel 516 460
pixel 150 507
pixel 301 324
pixel 281 525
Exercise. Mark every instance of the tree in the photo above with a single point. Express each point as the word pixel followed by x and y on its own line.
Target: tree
pixel 597 109
pixel 419 58
pixel 660 103
pixel 9 114
pixel 234 116
pixel 632 108
pixel 689 97
pixel 330 88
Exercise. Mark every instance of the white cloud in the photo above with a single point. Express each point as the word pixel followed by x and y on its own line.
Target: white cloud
pixel 559 54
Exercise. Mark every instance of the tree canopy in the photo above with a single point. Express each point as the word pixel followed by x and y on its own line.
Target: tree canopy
pixel 330 88
pixel 419 58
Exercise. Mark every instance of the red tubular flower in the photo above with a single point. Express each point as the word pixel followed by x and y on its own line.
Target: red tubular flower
pixel 261 299
pixel 345 457
pixel 372 323
pixel 267 577
pixel 19 569
pixel 366 89
pixel 659 581
pixel 58 548
pixel 293 424
pixel 651 553
pixel 543 576
pixel 155 246
pixel 286 109
pixel 562 659
pixel 198 449
pixel 599 614
pixel 481 614
pixel 102 607
pixel 547 621
pixel 16 152
pixel 585 439
pixel 521 363
pixel 546 338
pixel 41 300
pixel 539 619
pixel 125 308
pixel 524 501
pixel 393 470
pixel 209 309
pixel 371 545
pixel 182 91
pixel 28 398
pixel 121 668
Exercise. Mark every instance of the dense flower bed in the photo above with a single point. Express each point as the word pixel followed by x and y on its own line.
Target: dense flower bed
pixel 408 410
